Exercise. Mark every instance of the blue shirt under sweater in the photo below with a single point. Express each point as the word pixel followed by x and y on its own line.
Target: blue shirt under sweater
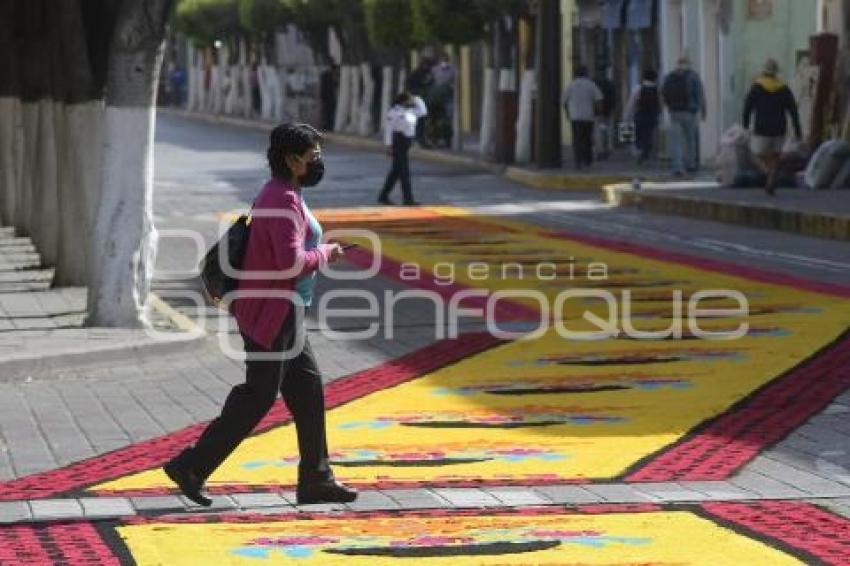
pixel 304 285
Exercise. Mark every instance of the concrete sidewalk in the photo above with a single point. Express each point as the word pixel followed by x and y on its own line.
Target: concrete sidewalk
pixel 822 214
pixel 42 328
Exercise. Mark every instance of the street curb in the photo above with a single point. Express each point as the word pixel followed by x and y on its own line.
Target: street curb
pixel 815 224
pixel 562 181
pixel 528 177
pixel 24 367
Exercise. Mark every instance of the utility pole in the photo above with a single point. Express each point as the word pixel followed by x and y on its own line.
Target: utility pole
pixel 548 138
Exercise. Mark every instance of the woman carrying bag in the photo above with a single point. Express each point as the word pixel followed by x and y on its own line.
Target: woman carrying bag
pixel 284 242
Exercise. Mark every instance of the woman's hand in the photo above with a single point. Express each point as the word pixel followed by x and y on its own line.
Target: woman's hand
pixel 335 252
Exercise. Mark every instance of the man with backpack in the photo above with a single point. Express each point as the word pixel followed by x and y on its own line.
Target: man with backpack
pixel 684 97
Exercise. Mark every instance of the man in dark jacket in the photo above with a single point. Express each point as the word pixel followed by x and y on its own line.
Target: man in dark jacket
pixel 770 100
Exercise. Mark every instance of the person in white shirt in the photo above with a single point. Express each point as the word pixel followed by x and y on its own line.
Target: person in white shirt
pixel 399 133
pixel 580 101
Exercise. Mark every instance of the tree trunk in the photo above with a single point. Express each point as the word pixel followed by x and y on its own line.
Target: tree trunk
pixel 192 95
pixel 365 119
pixel 124 246
pixel 386 91
pixel 525 120
pixel 487 140
pixel 354 109
pixel 457 126
pixel 548 96
pixel 343 104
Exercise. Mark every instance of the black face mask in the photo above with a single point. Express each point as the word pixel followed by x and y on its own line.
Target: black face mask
pixel 314 174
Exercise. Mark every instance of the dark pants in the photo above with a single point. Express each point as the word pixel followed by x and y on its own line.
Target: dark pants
pixel 645 127
pixel 583 142
pixel 400 169
pixel 298 380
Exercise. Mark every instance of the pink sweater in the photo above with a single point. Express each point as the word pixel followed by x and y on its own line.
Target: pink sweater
pixel 275 244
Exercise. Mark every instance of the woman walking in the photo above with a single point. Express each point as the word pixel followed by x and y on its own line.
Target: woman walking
pixel 644 108
pixel 285 240
pixel 399 133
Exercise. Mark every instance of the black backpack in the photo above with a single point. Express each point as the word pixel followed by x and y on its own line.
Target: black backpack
pixel 675 91
pixel 648 103
pixel 216 282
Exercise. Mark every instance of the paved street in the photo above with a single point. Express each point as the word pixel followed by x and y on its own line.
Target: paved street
pixel 617 451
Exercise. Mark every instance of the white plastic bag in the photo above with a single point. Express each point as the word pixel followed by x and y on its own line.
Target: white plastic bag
pixel 826 163
pixel 734 155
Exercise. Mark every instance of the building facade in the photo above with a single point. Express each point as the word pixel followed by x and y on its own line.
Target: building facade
pixel 728 42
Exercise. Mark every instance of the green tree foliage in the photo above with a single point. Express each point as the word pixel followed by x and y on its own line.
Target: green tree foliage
pixel 457 22
pixel 390 23
pixel 207 20
pixel 263 17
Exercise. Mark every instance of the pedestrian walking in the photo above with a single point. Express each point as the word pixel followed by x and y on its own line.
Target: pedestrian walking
pixel 770 101
pixel 580 100
pixel 644 109
pixel 399 133
pixel 684 96
pixel 284 239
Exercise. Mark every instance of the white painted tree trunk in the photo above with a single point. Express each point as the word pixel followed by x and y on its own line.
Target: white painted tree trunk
pixel 201 90
pixel 386 91
pixel 354 102
pixel 265 93
pixel 245 77
pixel 81 161
pixel 488 115
pixel 522 150
pixel 124 235
pixel 402 79
pixel 124 243
pixel 191 77
pixel 232 102
pixel 365 126
pixel 343 103
pixel 277 92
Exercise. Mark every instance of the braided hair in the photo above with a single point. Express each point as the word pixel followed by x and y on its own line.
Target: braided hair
pixel 289 139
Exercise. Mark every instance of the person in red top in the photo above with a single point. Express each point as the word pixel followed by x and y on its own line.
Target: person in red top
pixel 270 317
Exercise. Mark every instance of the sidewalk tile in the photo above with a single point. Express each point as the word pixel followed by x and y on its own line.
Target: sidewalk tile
pixel 766 487
pixel 670 491
pixel 416 498
pixel 811 483
pixel 14 511
pixel 252 500
pixel 467 497
pixel 106 507
pixel 518 496
pixel 720 490
pixel 620 493
pixel 373 501
pixel 159 503
pixel 568 494
pixel 219 503
pixel 48 509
